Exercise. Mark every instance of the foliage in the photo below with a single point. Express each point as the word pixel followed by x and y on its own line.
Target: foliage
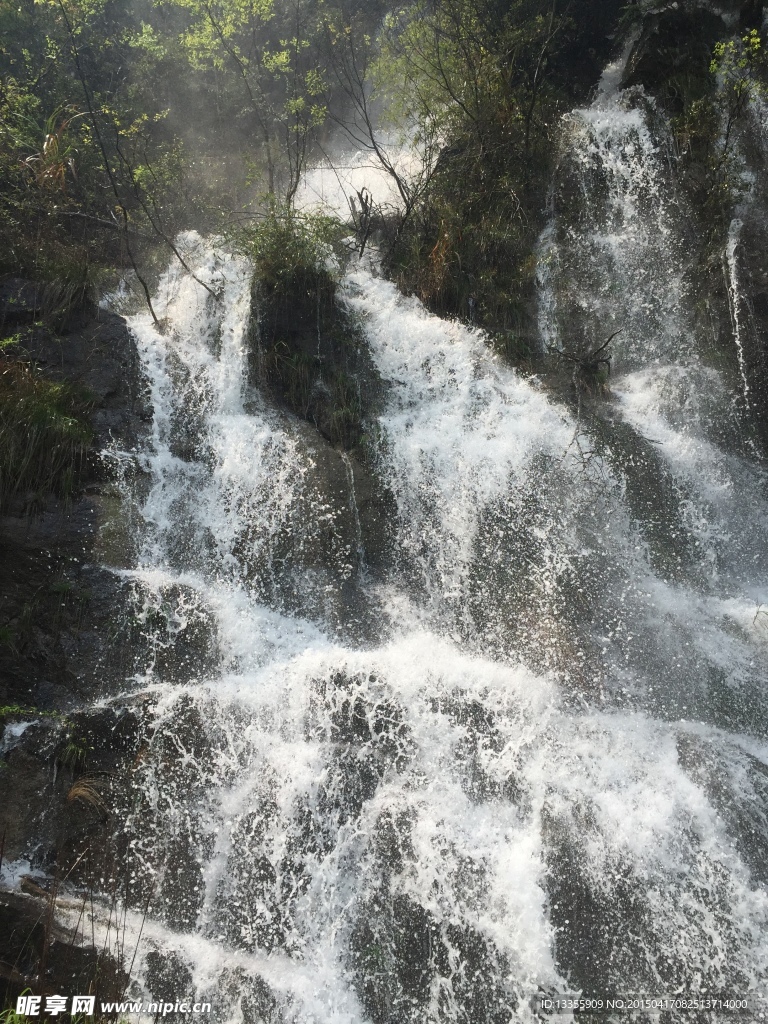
pixel 267 48
pixel 86 790
pixel 73 749
pixel 472 65
pixel 706 127
pixel 74 755
pixel 483 90
pixel 19 711
pixel 742 64
pixel 44 435
pixel 10 1016
pixel 286 245
pixel 89 170
pixel 100 154
pixel 39 168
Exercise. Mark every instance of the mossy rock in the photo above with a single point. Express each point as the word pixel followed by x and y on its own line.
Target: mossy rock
pixel 312 356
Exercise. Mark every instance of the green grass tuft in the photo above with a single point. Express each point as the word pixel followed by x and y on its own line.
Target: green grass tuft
pixel 44 434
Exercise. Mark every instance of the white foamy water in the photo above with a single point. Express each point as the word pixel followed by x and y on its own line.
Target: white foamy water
pixel 615 261
pixel 334 186
pixel 736 299
pixel 461 434
pixel 616 258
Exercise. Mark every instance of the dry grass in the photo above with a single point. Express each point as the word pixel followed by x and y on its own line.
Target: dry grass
pixel 86 790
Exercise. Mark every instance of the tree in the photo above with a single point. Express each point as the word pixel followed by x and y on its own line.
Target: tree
pixel 267 47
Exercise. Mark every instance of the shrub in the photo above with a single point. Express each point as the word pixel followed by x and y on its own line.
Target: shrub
pixel 288 247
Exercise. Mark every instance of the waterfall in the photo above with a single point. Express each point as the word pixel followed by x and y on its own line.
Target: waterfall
pixel 547 772
pixel 736 300
pixel 359 547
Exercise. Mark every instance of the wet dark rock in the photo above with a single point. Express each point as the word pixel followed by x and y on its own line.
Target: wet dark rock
pixel 181 741
pixel 480 741
pixel 674 72
pixel 63 778
pixel 172 633
pixel 358 490
pixel 97 354
pixel 654 497
pixel 311 354
pixel 393 949
pixel 481 984
pixel 253 996
pixel 359 711
pixel 40 955
pixel 594 891
pixel 62 644
pixel 258 1004
pixel 56 609
pixel 345 519
pixel 367 736
pixel 576 65
pixel 391 840
pixel 181 892
pixel 108 734
pixel 400 952
pixel 257 898
pixel 65 787
pixel 168 978
pixel 25 775
pixel 593 947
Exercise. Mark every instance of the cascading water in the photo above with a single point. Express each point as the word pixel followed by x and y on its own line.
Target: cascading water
pixel 546 768
pixel 736 300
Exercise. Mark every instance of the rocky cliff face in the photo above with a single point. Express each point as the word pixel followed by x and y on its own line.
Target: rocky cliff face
pixel 56 602
pixel 63 646
pixel 721 171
